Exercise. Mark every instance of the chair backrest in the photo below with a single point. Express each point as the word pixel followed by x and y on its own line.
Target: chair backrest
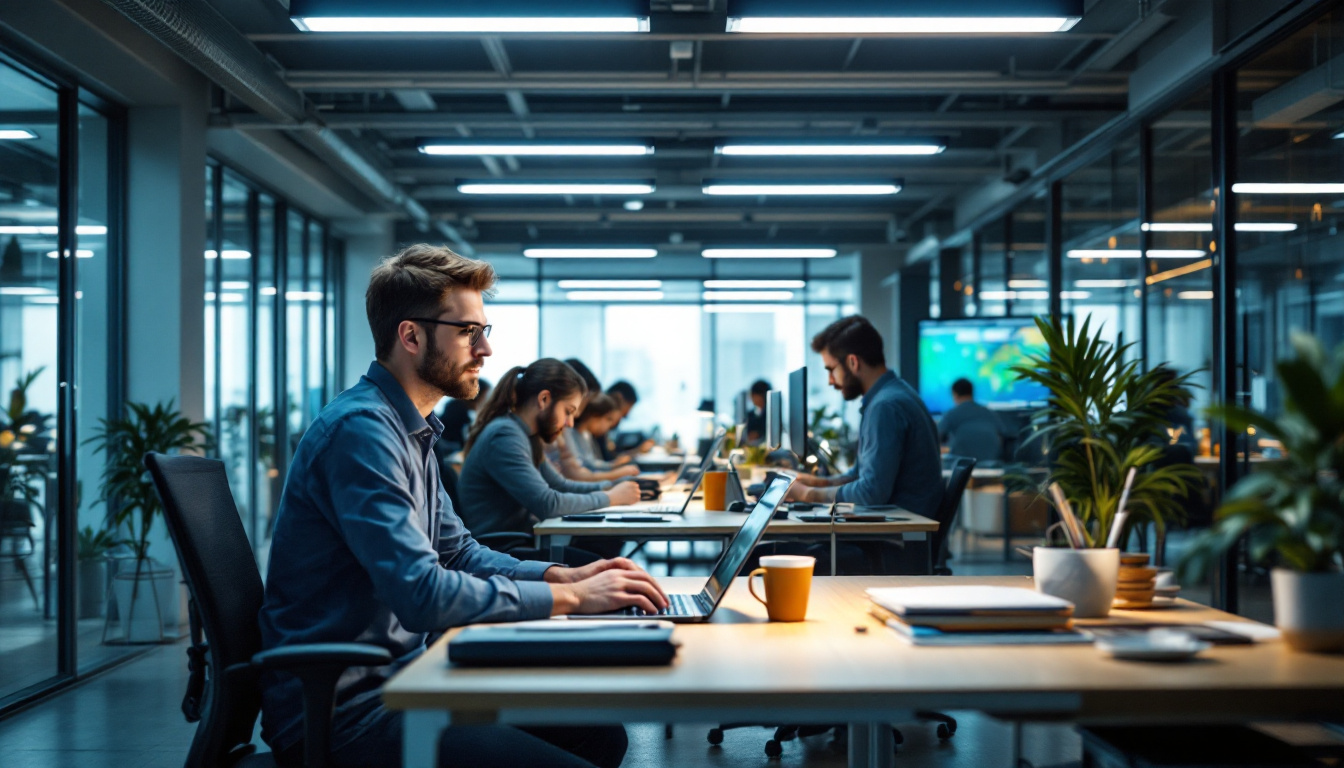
pixel 959 476
pixel 226 589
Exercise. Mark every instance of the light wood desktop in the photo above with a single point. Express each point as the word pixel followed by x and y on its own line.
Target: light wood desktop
pixel 741 668
pixel 697 524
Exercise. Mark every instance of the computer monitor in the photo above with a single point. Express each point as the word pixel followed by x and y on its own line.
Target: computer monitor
pixel 982 351
pixel 774 419
pixel 741 407
pixel 798 412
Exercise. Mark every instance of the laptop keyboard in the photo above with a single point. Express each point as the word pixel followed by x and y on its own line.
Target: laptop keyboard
pixel 677 605
pixel 663 508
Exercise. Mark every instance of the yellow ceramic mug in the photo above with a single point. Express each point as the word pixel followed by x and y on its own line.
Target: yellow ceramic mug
pixel 715 485
pixel 788 581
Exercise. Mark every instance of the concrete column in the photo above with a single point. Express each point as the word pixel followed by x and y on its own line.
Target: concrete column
pixel 875 295
pixel 165 274
pixel 362 254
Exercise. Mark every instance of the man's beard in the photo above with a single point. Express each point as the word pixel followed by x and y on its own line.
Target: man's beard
pixel 549 424
pixel 441 373
pixel 850 386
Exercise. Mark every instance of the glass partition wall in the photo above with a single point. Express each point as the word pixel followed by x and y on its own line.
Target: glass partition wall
pixel 60 336
pixel 264 345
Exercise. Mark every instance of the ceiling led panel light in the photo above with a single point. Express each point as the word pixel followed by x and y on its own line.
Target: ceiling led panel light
pixel 554 188
pixel 828 150
pixel 16 134
pixel 505 149
pixel 924 17
pixel 469 16
pixel 590 253
pixel 719 188
pixel 768 253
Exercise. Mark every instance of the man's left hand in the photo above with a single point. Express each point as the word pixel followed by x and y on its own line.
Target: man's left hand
pixel 571 575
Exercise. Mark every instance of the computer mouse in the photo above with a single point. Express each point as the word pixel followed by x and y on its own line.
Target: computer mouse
pixel 802 506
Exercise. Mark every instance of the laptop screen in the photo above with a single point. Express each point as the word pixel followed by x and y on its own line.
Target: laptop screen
pixel 739 549
pixel 704 466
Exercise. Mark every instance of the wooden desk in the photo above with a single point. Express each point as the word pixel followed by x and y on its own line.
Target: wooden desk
pixel 555 534
pixel 739 667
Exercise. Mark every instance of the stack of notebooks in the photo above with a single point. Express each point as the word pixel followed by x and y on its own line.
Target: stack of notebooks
pixel 975 615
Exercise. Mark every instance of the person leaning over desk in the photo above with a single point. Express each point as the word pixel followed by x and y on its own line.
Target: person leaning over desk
pixel 899 461
pixel 368 548
pixel 568 456
pixel 506 483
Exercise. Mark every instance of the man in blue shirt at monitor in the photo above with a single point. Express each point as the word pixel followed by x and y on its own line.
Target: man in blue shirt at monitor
pixel 368 548
pixel 899 460
pixel 970 429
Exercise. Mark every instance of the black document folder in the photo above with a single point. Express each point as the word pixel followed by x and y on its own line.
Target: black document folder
pixel 564 644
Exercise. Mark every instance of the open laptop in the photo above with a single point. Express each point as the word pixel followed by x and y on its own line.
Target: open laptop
pixel 659 509
pixel 688 608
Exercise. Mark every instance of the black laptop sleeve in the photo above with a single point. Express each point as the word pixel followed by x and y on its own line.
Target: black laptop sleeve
pixel 616 644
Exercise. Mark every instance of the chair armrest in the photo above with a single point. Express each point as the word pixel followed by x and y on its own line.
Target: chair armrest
pixel 318 666
pixel 505 540
pixel 291 658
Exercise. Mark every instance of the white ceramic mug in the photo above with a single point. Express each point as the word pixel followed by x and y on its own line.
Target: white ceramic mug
pixel 1084 577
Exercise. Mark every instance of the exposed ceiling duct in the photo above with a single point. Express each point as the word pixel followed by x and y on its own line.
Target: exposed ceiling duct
pixel 1301 97
pixel 207 41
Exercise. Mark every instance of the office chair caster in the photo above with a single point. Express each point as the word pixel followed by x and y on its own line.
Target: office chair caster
pixel 947 730
pixel 715 736
pixel 773 749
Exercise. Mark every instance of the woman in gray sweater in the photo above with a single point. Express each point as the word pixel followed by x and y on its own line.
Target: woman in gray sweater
pixel 506 483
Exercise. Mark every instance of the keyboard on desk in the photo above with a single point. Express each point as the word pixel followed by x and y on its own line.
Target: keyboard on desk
pixel 677 605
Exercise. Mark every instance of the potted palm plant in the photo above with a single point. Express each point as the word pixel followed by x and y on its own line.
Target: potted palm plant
pixel 128 490
pixel 93 547
pixel 1103 416
pixel 1291 511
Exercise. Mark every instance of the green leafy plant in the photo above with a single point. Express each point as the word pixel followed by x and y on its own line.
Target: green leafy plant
pixel 832 435
pixel 94 544
pixel 1293 507
pixel 1103 416
pixel 126 486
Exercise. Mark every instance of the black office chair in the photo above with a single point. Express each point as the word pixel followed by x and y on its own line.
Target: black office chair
pixel 226 595
pixel 957 480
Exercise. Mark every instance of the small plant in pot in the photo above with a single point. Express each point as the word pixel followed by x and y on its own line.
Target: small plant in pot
pixel 93 547
pixel 1104 416
pixel 1290 512
pixel 144 589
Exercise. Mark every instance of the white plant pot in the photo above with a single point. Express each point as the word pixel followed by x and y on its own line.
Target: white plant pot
pixel 143 610
pixel 1084 577
pixel 1309 609
pixel 92 587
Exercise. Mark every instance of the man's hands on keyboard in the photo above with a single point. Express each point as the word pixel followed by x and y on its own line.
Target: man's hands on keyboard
pixel 607 585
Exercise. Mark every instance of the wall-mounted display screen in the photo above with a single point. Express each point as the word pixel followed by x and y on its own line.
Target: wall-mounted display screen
pixel 983 352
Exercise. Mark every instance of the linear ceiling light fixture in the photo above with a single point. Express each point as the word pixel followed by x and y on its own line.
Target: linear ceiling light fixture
pixel 16 134
pixel 614 295
pixel 29 229
pixel 1256 188
pixel 768 253
pixel 746 295
pixel 554 188
pixel 1241 226
pixel 578 285
pixel 1103 283
pixel 1023 283
pixel 590 253
pixel 470 16
pixel 754 284
pixel 870 188
pixel 866 149
pixel 508 149
pixel 1119 253
pixel 867 17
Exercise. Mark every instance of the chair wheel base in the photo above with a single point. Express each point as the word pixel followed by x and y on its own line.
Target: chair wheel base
pixel 773 749
pixel 715 736
pixel 945 733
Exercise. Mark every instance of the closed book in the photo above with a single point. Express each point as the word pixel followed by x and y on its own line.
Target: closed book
pixel 976 623
pixel 929 636
pixel 969 600
pixel 565 644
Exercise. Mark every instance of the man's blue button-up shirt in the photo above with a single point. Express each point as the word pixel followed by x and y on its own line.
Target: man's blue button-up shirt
pixel 367 548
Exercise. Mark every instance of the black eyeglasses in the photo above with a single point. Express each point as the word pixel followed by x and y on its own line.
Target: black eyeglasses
pixel 478 331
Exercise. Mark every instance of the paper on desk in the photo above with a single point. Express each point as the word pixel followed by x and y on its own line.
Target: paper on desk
pixel 964 599
pixel 566 624
pixel 1260 633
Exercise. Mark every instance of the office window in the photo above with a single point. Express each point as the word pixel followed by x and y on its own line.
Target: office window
pixel 990 272
pixel 1027 263
pixel 233 316
pixel 1101 261
pixel 1179 280
pixel 47 325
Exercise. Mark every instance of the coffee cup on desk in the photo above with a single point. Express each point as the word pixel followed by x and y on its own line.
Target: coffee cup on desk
pixel 715 486
pixel 788 583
